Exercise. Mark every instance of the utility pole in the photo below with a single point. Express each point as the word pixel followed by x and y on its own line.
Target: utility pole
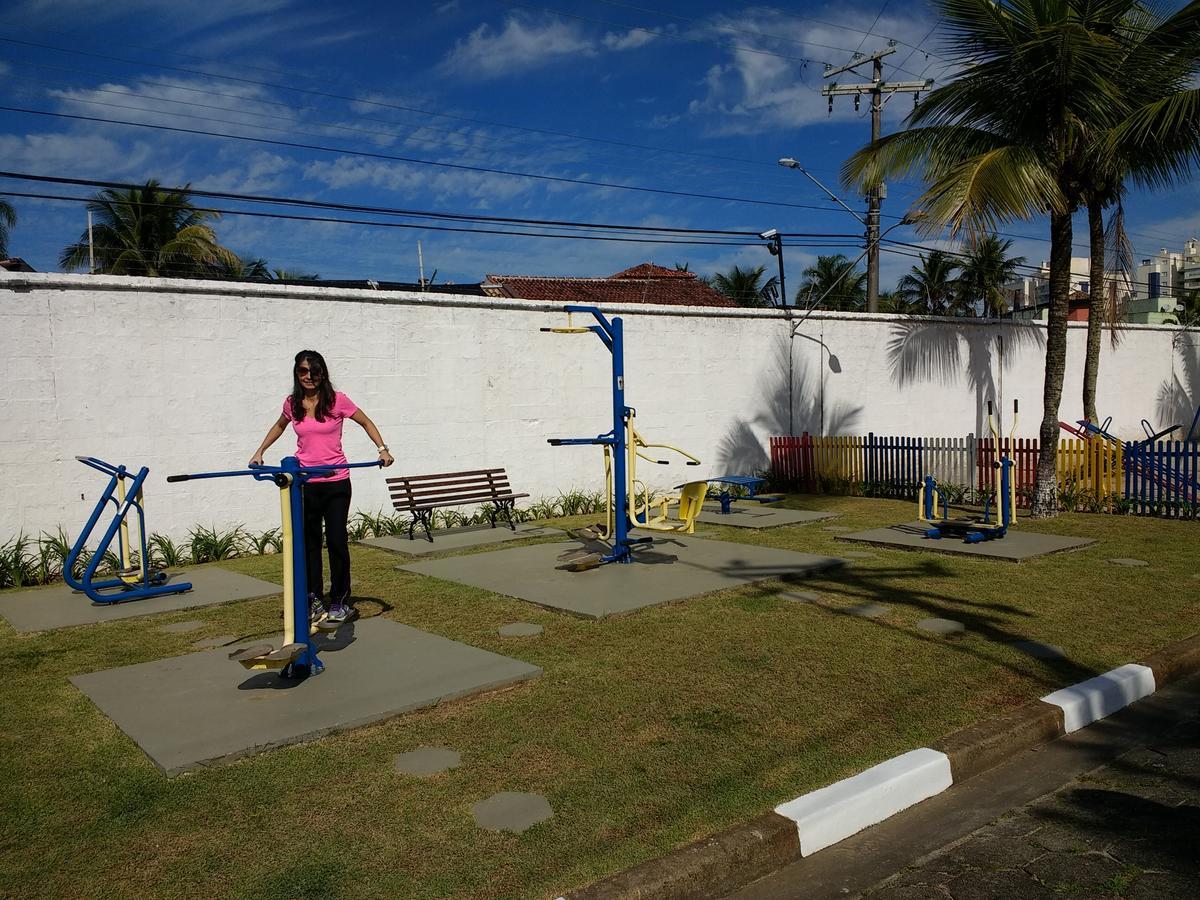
pixel 875 193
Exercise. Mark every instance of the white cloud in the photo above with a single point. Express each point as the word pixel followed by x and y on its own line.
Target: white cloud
pixel 630 40
pixel 519 47
pixel 81 154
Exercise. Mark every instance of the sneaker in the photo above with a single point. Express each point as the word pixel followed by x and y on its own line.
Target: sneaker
pixel 316 609
pixel 342 612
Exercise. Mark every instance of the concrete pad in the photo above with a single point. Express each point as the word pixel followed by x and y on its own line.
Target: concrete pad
pixel 203 709
pixel 1038 650
pixel 427 761
pixel 458 538
pixel 181 627
pixel 1016 546
pixel 759 516
pixel 1129 561
pixel 519 629
pixel 510 811
pixel 670 569
pixel 1101 696
pixel 867 610
pixel 48 608
pixel 800 596
pixel 942 626
pixel 846 807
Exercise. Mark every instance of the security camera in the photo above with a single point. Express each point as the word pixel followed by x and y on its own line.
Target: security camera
pixel 768 235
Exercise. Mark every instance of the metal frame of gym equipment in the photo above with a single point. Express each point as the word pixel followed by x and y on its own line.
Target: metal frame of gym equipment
pixel 297 656
pixel 133 582
pixel 974 530
pixel 622 445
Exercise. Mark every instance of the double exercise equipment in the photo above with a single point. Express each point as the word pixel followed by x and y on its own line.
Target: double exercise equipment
pixel 628 500
pixel 975 529
pixel 296 656
pixel 134 580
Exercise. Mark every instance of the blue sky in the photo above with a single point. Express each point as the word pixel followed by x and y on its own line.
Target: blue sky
pixel 659 95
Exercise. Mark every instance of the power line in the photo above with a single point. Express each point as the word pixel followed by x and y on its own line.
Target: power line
pixel 423 162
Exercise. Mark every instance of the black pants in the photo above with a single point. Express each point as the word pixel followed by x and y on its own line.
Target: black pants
pixel 327 502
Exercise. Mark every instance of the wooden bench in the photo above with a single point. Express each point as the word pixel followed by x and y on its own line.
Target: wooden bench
pixel 420 495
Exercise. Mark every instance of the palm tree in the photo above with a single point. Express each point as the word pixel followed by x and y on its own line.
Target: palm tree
pixel 833 282
pixel 149 230
pixel 8 219
pixel 932 287
pixel 293 275
pixel 744 287
pixel 985 270
pixel 241 267
pixel 1013 137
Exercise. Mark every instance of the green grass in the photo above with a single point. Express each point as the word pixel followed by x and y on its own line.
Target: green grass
pixel 645 732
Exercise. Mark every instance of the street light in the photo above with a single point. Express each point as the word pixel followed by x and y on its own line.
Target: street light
pixel 775 244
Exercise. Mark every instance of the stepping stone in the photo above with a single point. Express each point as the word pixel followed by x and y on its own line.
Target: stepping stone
pixel 800 596
pixel 867 610
pixel 1128 561
pixel 509 811
pixel 1038 650
pixel 426 761
pixel 837 528
pixel 219 641
pixel 520 629
pixel 180 627
pixel 858 554
pixel 942 626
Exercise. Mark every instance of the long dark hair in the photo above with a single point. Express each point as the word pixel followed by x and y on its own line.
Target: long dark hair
pixel 325 393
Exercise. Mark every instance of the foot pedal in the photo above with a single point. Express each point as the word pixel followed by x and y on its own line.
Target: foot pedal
pixel 286 653
pixel 587 533
pixel 325 625
pixel 258 651
pixel 583 563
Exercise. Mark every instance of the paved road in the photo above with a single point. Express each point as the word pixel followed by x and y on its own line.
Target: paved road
pixel 1111 811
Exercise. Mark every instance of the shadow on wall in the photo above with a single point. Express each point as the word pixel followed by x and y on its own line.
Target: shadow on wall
pixel 1179 396
pixel 790 402
pixel 947 352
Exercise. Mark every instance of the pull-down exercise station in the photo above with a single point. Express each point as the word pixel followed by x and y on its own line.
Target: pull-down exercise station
pixel 296 656
pixel 628 500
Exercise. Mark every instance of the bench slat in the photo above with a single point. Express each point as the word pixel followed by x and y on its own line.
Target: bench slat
pixel 435 486
pixel 444 475
pixel 462 501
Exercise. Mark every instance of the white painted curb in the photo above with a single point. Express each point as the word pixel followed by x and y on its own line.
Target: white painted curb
pixel 833 813
pixel 1090 700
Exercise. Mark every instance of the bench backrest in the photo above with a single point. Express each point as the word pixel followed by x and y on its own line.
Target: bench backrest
pixel 448 488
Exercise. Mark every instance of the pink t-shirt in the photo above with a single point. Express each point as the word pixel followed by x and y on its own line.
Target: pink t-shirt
pixel 320 443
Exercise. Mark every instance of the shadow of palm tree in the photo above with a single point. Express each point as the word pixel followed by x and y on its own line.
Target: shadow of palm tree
pixel 948 353
pixel 1179 396
pixel 792 401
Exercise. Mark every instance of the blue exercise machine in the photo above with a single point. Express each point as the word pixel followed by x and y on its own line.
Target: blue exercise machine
pixel 975 529
pixel 749 485
pixel 297 656
pixel 622 445
pixel 134 580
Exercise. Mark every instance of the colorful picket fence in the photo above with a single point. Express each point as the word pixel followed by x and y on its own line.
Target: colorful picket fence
pixel 1096 474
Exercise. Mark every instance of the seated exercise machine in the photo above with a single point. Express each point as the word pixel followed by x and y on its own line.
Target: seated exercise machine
pixel 134 580
pixel 749 484
pixel 975 529
pixel 296 656
pixel 628 500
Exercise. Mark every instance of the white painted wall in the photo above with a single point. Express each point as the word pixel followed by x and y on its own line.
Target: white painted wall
pixel 187 376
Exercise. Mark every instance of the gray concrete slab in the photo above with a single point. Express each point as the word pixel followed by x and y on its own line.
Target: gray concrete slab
pixel 867 610
pixel 1016 546
pixel 425 762
pixel 671 569
pixel 755 515
pixel 203 709
pixel 942 626
pixel 511 811
pixel 458 538
pixel 57 606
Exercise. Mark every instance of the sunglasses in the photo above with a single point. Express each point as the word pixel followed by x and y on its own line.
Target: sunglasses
pixel 305 370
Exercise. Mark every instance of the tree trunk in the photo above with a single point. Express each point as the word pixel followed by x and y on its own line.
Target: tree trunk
pixel 1097 309
pixel 1045 496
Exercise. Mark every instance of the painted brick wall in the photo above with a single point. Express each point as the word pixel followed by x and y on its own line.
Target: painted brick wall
pixel 188 376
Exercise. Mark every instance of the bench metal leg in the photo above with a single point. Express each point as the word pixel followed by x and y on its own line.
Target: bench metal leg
pixel 506 508
pixel 425 517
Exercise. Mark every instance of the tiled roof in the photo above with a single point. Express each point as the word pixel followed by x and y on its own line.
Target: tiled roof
pixel 645 283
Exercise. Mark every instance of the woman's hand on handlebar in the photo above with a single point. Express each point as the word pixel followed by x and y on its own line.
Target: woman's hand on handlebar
pixel 386 458
pixel 256 460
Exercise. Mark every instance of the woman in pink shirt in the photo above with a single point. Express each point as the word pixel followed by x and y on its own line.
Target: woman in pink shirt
pixel 316 412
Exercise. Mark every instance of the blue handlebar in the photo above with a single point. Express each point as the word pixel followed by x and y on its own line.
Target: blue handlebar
pixel 266 473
